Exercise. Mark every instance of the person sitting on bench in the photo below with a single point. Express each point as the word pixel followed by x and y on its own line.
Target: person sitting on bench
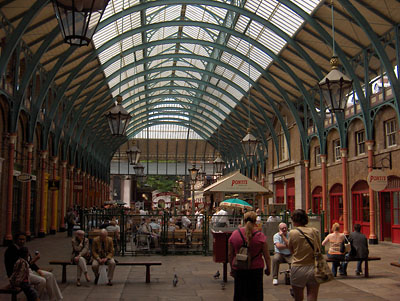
pixel 20 276
pixel 359 248
pixel 282 253
pixel 103 253
pixel 80 255
pixel 42 280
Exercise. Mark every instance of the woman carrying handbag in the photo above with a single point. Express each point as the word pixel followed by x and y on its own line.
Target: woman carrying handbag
pixel 302 240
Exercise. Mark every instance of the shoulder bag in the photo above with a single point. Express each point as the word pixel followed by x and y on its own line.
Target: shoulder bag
pixel 322 272
pixel 345 246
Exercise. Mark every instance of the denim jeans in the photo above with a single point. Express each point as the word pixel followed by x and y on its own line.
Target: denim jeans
pixel 359 263
pixel 336 264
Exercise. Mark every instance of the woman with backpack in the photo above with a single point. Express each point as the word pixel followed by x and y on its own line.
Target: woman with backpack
pixel 248 249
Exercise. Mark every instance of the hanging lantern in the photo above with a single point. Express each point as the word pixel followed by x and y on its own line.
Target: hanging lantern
pixel 250 144
pixel 78 19
pixel 219 164
pixel 335 88
pixel 201 175
pixel 133 154
pixel 118 118
pixel 193 173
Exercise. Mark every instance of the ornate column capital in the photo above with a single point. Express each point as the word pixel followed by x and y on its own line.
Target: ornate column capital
pixel 12 138
pixel 343 152
pixel 64 163
pixel 54 159
pixel 370 144
pixel 323 158
pixel 29 147
pixel 306 163
pixel 43 154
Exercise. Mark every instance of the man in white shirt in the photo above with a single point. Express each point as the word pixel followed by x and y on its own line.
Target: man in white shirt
pixel 282 253
pixel 221 218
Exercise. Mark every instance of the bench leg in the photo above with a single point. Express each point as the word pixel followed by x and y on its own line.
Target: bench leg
pixel 64 274
pixel 366 269
pixel 147 273
pixel 14 297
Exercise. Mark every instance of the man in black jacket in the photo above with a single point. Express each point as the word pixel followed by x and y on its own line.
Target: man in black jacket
pixel 359 248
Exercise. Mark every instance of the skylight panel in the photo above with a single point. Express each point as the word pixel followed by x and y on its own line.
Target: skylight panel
pixel 195 13
pixel 219 12
pixel 166 13
pixel 271 40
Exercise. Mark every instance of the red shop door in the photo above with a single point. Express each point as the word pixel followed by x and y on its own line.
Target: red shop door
pixel 317 200
pixel 361 211
pixel 386 216
pixel 279 192
pixel 336 201
pixel 290 194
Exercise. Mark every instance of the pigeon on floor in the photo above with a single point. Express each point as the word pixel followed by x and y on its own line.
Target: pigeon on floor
pixel 175 281
pixel 216 275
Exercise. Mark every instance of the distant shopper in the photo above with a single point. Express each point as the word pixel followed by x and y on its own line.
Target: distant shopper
pixel 302 270
pixel 335 239
pixel 359 248
pixel 220 218
pixel 282 252
pixel 249 281
pixel 70 218
pixel 273 217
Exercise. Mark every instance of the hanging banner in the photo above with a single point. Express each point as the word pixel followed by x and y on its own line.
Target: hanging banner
pixel 377 180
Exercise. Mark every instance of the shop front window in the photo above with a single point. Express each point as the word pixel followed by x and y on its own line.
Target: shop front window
pixel 396 208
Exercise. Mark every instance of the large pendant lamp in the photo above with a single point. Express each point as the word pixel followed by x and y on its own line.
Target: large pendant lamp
pixel 78 19
pixel 219 164
pixel 249 142
pixel 133 154
pixel 118 118
pixel 335 86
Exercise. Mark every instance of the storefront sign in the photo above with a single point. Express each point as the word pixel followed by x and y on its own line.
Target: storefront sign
pixel 377 180
pixel 24 177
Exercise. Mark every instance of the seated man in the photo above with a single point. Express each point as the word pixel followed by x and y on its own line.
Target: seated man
pixel 282 253
pixel 103 253
pixel 359 249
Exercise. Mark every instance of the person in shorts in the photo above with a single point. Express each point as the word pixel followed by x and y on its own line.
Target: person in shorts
pixel 302 270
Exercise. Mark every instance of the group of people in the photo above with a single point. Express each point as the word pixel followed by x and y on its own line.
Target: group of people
pixel 295 248
pixel 337 240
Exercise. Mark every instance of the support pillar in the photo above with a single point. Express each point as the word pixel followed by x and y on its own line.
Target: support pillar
pixel 262 197
pixel 63 194
pixel 343 153
pixel 324 199
pixel 71 187
pixel 372 236
pixel 79 192
pixel 11 153
pixel 28 193
pixel 42 230
pixel 307 176
pixel 54 199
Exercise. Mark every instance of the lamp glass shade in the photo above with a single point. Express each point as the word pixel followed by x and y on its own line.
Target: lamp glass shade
pixel 133 155
pixel 335 88
pixel 250 144
pixel 78 19
pixel 219 164
pixel 201 174
pixel 118 118
pixel 139 170
pixel 193 173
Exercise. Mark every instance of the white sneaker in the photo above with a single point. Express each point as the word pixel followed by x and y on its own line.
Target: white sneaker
pixel 275 281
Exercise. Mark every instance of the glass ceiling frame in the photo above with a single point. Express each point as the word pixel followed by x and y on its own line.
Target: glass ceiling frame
pixel 143 14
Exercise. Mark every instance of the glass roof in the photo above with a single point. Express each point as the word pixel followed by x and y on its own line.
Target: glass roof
pixel 198 64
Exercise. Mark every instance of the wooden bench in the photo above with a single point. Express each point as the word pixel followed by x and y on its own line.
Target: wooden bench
pixel 7 290
pixel 64 264
pixel 395 264
pixel 366 271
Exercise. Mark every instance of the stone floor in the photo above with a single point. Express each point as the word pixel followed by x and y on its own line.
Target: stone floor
pixel 196 282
